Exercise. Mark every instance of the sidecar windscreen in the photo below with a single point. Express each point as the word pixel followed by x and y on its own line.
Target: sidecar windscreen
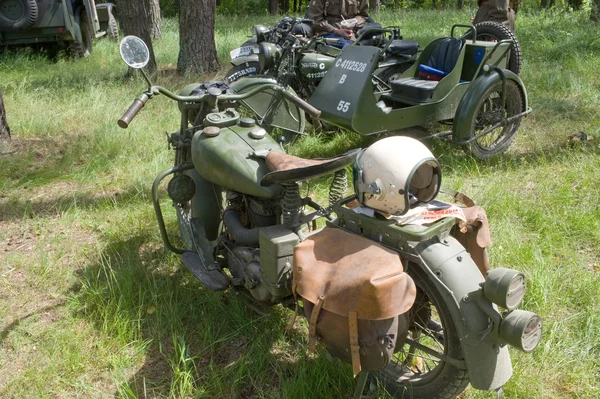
pixel 347 87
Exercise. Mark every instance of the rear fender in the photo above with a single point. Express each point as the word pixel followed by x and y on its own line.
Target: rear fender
pixel 467 107
pixel 104 11
pixel 457 277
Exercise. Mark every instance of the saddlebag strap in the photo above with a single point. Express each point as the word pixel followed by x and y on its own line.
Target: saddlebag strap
pixel 460 197
pixel 354 349
pixel 293 319
pixel 312 324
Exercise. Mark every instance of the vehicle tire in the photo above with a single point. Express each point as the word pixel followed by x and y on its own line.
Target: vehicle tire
pixel 83 48
pixel 392 72
pixel 240 71
pixel 16 15
pixel 416 374
pixel 488 112
pixel 112 30
pixel 494 31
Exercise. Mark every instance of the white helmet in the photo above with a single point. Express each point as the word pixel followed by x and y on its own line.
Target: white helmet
pixel 391 169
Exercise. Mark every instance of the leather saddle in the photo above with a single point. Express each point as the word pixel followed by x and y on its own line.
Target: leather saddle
pixel 286 168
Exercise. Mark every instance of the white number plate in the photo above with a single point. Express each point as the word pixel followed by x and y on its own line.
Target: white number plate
pixel 241 52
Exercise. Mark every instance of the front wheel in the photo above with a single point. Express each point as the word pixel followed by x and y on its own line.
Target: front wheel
pixel 413 373
pixel 490 111
pixel 242 70
pixel 83 48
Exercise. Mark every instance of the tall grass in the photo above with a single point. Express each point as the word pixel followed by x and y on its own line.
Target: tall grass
pixel 92 305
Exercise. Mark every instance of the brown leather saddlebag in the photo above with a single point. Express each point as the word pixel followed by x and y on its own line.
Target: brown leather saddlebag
pixel 355 293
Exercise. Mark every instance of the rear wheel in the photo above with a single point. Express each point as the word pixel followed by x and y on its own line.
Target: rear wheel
pixel 83 48
pixel 242 70
pixel 413 373
pixel 490 111
pixel 494 31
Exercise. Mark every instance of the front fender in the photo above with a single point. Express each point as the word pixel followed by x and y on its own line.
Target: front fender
pixel 461 130
pixel 247 58
pixel 455 274
pixel 244 60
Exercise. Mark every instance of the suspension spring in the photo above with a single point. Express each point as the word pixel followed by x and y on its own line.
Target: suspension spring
pixel 291 204
pixel 338 187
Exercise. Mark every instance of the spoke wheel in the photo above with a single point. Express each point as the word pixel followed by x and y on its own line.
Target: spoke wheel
pixel 491 111
pixel 413 373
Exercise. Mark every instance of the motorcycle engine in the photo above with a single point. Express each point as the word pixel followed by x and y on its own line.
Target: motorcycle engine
pixel 260 252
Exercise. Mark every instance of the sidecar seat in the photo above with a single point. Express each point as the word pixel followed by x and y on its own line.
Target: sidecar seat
pixel 441 55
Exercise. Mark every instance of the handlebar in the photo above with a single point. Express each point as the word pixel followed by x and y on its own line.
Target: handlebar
pixel 139 102
pixel 132 111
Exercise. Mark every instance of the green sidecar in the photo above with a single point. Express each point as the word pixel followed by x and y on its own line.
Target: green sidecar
pixel 462 81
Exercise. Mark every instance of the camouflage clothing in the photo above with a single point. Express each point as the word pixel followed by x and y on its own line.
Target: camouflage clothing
pixel 327 15
pixel 501 11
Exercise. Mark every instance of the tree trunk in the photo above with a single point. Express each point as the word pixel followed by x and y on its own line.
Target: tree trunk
pixel 460 4
pixel 4 129
pixel 273 7
pixel 374 4
pixel 136 20
pixel 595 15
pixel 155 21
pixel 197 50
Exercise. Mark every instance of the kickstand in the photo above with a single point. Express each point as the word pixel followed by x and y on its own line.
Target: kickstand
pixel 361 381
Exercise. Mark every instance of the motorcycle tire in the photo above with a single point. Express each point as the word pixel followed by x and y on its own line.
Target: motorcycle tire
pixel 17 15
pixel 488 109
pixel 494 31
pixel 243 70
pixel 84 48
pixel 392 72
pixel 416 374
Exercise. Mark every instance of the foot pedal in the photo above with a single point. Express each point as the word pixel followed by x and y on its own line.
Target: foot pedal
pixel 213 279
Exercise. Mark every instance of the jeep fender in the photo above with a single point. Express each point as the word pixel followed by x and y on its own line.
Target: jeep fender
pixel 455 274
pixel 461 130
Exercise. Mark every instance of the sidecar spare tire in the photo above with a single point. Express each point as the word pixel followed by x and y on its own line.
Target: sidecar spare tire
pixel 16 15
pixel 413 373
pixel 494 31
pixel 248 69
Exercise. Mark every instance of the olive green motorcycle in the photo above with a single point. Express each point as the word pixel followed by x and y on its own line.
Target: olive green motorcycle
pixel 411 305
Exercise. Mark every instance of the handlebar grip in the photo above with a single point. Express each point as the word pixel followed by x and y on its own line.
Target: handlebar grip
pixel 131 112
pixel 312 111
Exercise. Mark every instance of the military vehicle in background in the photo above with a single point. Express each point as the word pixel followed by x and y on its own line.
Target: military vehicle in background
pixel 56 23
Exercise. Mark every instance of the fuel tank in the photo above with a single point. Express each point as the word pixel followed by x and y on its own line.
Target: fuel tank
pixel 314 66
pixel 234 159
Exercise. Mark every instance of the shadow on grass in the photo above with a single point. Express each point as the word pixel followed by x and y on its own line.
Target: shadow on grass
pixel 195 342
pixel 9 328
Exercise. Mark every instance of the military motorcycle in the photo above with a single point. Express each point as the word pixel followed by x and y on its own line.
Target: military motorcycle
pixel 294 58
pixel 413 306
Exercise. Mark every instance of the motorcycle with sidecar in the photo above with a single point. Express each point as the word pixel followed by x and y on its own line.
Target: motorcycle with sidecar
pixel 462 82
pixel 413 306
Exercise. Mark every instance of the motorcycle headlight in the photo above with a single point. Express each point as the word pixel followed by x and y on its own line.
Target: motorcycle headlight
pixel 260 31
pixel 268 55
pixel 505 287
pixel 521 329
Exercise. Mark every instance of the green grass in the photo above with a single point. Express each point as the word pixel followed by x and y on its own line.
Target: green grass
pixel 92 305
